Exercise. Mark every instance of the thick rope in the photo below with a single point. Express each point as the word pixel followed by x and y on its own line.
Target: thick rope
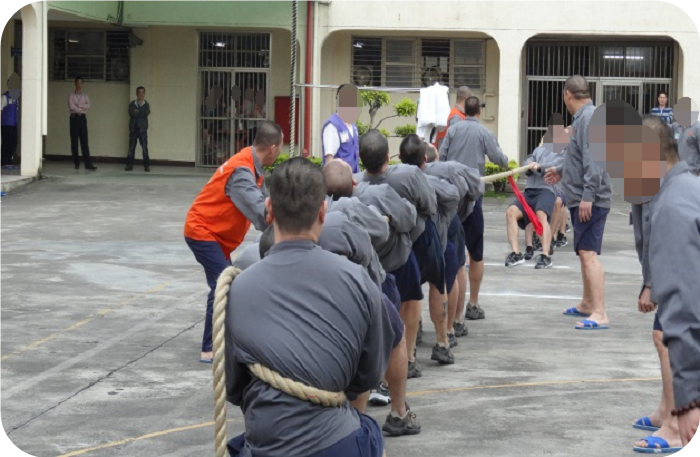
pixel 293 91
pixel 297 389
pixel 505 174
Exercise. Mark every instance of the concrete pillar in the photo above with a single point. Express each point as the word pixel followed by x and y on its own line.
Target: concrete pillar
pixel 510 44
pixel 34 34
pixel 320 12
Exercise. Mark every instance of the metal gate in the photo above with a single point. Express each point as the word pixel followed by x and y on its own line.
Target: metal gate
pixel 632 72
pixel 233 93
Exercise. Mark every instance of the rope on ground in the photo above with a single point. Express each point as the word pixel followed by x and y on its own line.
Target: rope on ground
pixel 223 285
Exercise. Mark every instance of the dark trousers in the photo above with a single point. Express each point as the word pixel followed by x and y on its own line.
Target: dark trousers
pixel 9 143
pixel 79 132
pixel 212 258
pixel 142 137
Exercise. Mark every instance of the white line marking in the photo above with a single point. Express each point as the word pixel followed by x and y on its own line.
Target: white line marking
pixel 518 294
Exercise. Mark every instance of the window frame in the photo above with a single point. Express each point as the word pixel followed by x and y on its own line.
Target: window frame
pixel 105 56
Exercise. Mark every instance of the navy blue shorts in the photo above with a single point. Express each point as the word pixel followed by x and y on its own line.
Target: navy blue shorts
pixel 562 195
pixel 474 233
pixel 366 441
pixel 537 200
pixel 455 234
pixel 391 290
pixel 657 323
pixel 452 266
pixel 430 256
pixel 408 280
pixel 588 236
pixel 395 319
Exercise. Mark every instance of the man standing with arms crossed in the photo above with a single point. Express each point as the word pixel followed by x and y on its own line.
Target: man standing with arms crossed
pixel 589 198
pixel 79 104
pixel 468 142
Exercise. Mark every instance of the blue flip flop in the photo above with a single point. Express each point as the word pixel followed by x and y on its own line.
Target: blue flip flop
pixel 207 360
pixel 652 441
pixel 591 325
pixel 644 424
pixel 574 312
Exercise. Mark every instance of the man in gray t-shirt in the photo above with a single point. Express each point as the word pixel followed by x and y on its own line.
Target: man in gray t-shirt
pixel 344 348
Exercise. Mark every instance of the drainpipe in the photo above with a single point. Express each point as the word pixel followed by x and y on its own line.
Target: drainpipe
pixel 308 76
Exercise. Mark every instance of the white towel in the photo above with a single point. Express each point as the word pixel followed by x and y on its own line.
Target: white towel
pixel 433 109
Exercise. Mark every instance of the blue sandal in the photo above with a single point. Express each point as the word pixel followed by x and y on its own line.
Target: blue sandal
pixel 644 424
pixel 653 441
pixel 574 312
pixel 591 325
pixel 207 360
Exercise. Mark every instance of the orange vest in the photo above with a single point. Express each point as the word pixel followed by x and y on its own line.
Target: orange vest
pixel 440 135
pixel 213 216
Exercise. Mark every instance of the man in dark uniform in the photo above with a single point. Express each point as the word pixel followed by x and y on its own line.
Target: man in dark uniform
pixel 139 110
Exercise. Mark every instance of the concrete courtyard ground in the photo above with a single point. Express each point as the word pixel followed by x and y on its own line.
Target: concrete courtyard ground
pixel 102 315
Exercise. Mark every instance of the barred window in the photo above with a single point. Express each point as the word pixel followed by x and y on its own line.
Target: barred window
pixel 94 55
pixel 404 62
pixel 232 50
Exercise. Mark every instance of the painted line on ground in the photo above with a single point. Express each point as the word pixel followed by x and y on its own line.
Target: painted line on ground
pixel 410 394
pixel 77 325
pixel 519 294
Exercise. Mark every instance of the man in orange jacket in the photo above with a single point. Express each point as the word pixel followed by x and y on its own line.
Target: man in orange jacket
pixel 220 216
pixel 456 114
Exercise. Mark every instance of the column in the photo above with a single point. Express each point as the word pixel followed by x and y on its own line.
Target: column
pixel 33 76
pixel 510 124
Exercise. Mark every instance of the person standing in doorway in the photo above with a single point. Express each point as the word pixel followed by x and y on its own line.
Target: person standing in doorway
pixel 139 110
pixel 340 138
pixel 664 111
pixel 79 104
pixel 10 116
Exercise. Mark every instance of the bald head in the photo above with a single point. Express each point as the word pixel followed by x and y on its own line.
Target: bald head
pixel 374 151
pixel 577 86
pixel 431 154
pixel 338 176
pixel 463 93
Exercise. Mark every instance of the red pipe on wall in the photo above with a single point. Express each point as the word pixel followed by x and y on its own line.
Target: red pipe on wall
pixel 307 72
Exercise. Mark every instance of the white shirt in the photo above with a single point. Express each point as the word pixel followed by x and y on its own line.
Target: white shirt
pixel 331 139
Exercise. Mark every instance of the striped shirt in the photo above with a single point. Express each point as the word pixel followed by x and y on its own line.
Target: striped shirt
pixel 665 113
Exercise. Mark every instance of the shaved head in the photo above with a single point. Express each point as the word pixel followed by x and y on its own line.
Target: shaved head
pixel 463 93
pixel 431 154
pixel 374 151
pixel 338 176
pixel 578 87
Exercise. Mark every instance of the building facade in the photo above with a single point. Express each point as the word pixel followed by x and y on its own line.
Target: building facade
pixel 513 55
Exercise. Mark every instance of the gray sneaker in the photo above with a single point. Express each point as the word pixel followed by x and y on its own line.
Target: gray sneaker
pixel 398 426
pixel 379 396
pixel 413 370
pixel 442 355
pixel 474 312
pixel 452 339
pixel 460 329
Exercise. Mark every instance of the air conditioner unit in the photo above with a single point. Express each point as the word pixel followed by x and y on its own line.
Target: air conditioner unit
pixel 430 76
pixel 362 76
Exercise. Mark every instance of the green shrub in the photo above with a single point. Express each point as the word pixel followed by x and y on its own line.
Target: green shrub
pixel 491 168
pixel 404 130
pixel 362 128
pixel 282 157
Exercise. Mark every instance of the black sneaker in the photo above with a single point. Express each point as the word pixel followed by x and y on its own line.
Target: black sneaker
pixel 419 336
pixel 562 241
pixel 474 312
pixel 413 370
pixel 543 262
pixel 128 168
pixel 77 166
pixel 452 339
pixel 147 169
pixel 460 329
pixel 529 253
pixel 90 167
pixel 398 426
pixel 568 228
pixel 442 355
pixel 379 396
pixel 514 259
pixel 536 244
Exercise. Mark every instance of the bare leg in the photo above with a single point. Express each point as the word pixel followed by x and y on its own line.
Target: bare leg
pixel 564 219
pixel 513 214
pixel 396 377
pixel 669 429
pixel 452 300
pixel 529 231
pixel 593 282
pixel 438 314
pixel 556 218
pixel 410 315
pixel 461 295
pixel 361 402
pixel 476 274
pixel 546 232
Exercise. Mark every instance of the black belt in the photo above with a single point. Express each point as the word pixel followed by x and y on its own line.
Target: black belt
pixel 77 114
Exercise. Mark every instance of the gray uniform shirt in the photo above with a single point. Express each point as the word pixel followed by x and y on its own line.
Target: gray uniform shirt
pixel 689 147
pixel 393 253
pixel 545 156
pixel 641 225
pixel 410 183
pixel 366 216
pixel 582 179
pixel 673 256
pixel 332 333
pixel 466 179
pixel 469 143
pixel 245 194
pixel 448 201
